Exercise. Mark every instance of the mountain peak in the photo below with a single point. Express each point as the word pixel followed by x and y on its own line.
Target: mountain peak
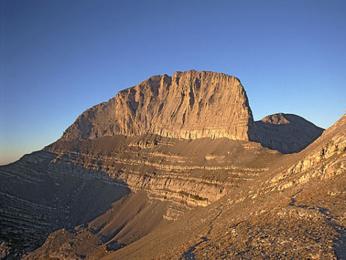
pixel 287 133
pixel 277 119
pixel 189 105
pixel 284 118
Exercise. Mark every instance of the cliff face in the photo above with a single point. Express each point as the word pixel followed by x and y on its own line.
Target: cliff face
pixel 189 105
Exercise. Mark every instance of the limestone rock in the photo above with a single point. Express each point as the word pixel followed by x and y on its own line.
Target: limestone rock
pixel 189 105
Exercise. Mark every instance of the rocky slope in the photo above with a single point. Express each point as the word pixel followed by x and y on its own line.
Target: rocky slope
pixel 324 159
pixel 38 196
pixel 51 189
pixel 265 217
pixel 287 212
pixel 193 173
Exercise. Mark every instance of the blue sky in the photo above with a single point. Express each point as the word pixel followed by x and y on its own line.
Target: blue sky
pixel 58 58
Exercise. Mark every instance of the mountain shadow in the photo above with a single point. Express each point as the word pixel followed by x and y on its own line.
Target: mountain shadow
pixel 40 195
pixel 286 133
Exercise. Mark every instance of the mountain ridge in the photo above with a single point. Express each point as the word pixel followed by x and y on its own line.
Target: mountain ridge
pixel 190 105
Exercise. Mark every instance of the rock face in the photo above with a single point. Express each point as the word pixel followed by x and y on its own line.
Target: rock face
pixel 189 105
pixel 286 133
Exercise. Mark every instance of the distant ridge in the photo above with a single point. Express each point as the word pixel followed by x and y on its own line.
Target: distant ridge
pixel 286 133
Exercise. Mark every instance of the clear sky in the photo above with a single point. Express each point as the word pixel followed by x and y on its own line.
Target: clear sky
pixel 60 57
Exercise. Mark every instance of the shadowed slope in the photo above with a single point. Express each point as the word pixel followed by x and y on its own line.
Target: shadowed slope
pixel 39 195
pixel 286 133
pixel 129 219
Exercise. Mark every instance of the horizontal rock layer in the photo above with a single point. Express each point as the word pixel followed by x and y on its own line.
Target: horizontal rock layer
pixel 156 166
pixel 69 184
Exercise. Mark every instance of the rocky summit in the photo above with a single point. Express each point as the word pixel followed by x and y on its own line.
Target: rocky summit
pixel 177 168
pixel 189 105
pixel 286 133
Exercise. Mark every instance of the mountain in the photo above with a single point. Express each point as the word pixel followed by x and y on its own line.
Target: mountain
pixel 176 168
pixel 286 133
pixel 189 105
